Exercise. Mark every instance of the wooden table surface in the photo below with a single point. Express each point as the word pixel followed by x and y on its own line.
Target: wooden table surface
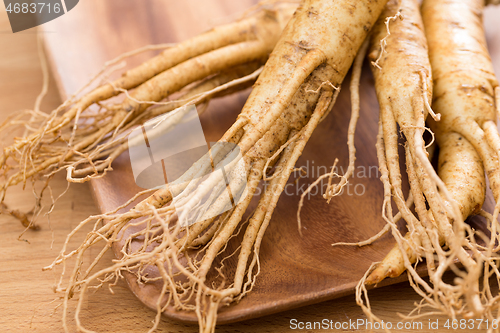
pixel 27 302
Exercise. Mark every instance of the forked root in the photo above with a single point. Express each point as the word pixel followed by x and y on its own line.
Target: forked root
pixel 187 238
pixel 184 276
pixel 473 94
pixel 183 271
pixel 441 202
pixel 85 141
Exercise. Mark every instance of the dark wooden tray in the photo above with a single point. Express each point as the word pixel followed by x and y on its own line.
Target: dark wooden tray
pixel 295 270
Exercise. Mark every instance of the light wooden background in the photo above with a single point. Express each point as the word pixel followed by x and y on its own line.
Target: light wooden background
pixel 27 302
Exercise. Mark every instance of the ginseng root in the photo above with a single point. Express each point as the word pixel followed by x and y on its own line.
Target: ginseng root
pixel 403 83
pixel 463 97
pixel 85 141
pixel 295 90
pixel 464 94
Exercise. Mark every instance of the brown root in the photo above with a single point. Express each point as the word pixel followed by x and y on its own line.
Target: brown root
pixel 24 218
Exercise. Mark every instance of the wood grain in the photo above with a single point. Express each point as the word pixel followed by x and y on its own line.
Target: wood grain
pixel 24 287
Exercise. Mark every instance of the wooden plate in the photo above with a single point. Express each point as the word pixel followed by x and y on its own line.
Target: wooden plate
pixel 295 270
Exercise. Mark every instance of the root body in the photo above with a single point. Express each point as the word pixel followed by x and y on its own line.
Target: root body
pixel 295 91
pixel 464 128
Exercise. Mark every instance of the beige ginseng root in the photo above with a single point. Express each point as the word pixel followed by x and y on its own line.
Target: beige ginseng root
pixel 403 84
pixel 466 94
pixel 294 92
pixel 464 98
pixel 85 134
pixel 462 172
